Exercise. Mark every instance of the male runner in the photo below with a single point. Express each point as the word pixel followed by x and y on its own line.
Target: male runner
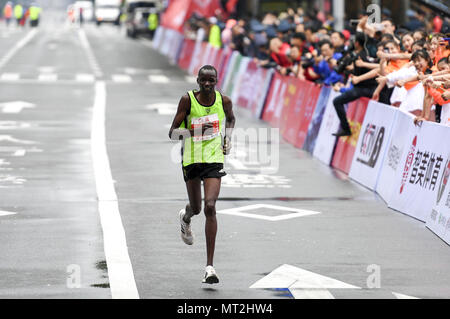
pixel 199 121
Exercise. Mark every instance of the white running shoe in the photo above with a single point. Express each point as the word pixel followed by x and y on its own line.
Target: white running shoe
pixel 210 276
pixel 186 233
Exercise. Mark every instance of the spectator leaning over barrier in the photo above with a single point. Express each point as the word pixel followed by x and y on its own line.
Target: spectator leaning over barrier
pixel 382 93
pixel 361 89
pixel 407 77
pixel 435 94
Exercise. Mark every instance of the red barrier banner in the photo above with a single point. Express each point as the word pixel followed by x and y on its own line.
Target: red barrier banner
pixel 275 100
pixel 181 10
pixel 253 86
pixel 197 58
pixel 186 54
pixel 301 100
pixel 176 14
pixel 311 97
pixel 345 149
pixel 290 115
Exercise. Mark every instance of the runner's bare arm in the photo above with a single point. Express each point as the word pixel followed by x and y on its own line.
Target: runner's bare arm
pixel 229 115
pixel 229 123
pixel 176 133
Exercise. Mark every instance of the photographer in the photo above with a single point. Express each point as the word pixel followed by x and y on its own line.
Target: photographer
pixel 364 88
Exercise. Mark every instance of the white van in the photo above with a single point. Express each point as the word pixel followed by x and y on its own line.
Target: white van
pixel 107 11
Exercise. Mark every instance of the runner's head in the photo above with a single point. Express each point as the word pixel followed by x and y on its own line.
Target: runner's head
pixel 207 78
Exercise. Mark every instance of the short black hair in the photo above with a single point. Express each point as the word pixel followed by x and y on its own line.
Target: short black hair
pixel 393 42
pixel 420 43
pixel 360 38
pixel 325 42
pixel 207 67
pixel 387 37
pixel 300 36
pixel 341 35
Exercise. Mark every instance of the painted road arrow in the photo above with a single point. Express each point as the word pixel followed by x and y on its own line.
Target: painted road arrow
pixel 301 283
pixel 15 106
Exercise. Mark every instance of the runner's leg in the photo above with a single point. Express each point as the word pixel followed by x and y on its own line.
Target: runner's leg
pixel 194 191
pixel 212 189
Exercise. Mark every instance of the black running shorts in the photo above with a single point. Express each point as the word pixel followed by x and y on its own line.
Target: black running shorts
pixel 203 170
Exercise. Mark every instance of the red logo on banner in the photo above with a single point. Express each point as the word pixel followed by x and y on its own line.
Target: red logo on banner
pixel 409 160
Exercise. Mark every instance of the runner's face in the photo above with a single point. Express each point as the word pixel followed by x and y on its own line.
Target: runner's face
pixel 207 81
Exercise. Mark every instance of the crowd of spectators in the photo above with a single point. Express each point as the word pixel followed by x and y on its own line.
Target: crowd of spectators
pixel 407 66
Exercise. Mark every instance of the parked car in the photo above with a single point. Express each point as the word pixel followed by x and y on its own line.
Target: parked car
pixel 137 15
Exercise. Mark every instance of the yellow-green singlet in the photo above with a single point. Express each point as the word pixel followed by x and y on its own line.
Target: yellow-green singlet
pixel 206 151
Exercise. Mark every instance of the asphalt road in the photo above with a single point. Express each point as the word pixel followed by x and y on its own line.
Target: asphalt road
pixel 51 233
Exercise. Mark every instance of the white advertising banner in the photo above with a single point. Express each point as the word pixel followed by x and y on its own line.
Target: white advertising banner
pixel 421 168
pixel 237 80
pixel 372 143
pixel 166 44
pixel 330 124
pixel 438 219
pixel 158 38
pixel 175 47
pixel 402 133
pixel 197 54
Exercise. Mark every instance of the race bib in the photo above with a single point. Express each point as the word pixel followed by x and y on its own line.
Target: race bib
pixel 197 122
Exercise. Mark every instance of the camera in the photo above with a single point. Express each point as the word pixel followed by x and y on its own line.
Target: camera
pixel 348 57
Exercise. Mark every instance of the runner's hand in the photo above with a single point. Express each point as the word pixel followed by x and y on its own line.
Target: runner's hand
pixel 226 145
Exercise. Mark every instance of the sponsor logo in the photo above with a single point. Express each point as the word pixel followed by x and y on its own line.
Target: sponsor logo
pixel 393 156
pixel 444 181
pixel 409 161
pixel 371 144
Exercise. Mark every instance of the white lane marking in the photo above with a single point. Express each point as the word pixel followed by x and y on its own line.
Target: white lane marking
pixel 90 54
pixel 20 153
pixel 6 213
pixel 401 296
pixel 121 78
pixel 9 138
pixel 19 45
pixel 158 78
pixel 46 69
pixel 311 293
pixel 120 270
pixel 85 77
pixel 15 106
pixel 301 283
pixel 241 211
pixel 10 76
pixel 48 77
